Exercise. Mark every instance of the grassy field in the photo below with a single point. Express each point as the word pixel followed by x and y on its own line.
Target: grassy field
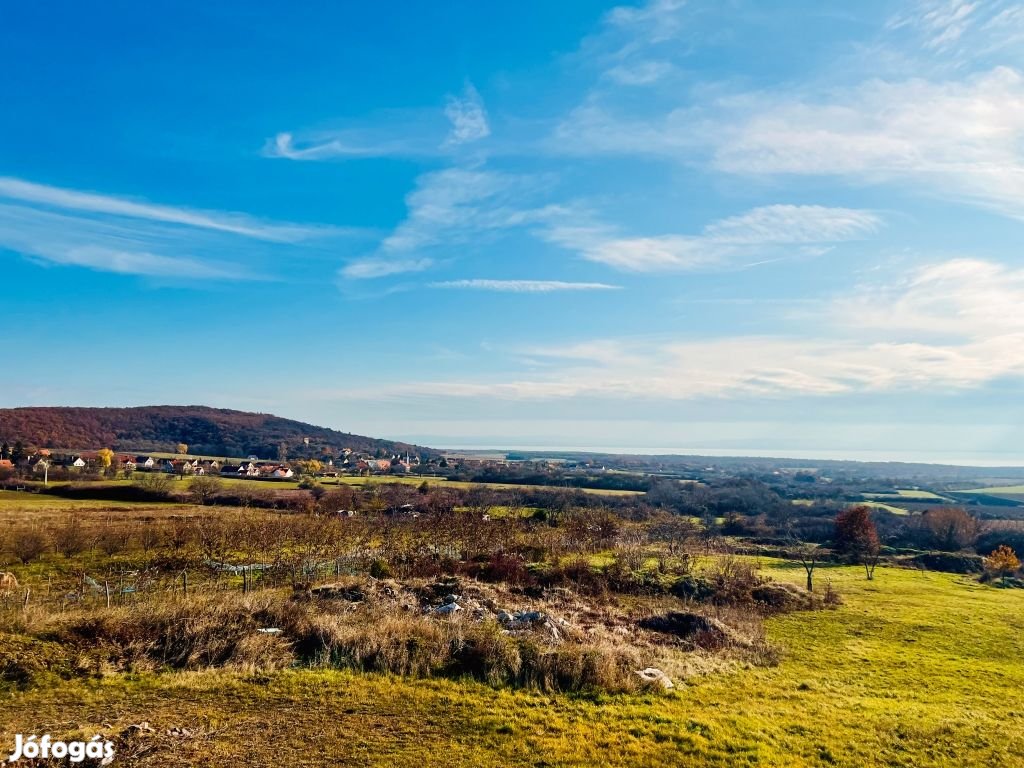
pixel 909 494
pixel 916 669
pixel 1001 490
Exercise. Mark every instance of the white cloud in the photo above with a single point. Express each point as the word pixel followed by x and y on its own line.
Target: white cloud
pixel 383 267
pixel 947 327
pixel 639 73
pixel 449 209
pixel 467 116
pixel 723 241
pixel 91 202
pixel 122 246
pixel 962 32
pixel 523 286
pixel 942 22
pixel 960 139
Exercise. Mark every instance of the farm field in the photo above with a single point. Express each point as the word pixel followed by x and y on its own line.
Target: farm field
pixel 915 669
pixel 1000 490
pixel 908 493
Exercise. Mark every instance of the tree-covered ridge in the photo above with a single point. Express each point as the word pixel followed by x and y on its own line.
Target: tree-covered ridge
pixel 207 431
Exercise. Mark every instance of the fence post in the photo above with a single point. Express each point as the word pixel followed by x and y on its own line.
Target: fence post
pixel 106 590
pixel 28 593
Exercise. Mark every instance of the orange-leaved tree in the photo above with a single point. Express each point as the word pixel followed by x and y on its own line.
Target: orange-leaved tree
pixel 1002 562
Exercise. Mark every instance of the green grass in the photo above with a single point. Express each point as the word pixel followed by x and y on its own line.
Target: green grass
pixel 441 482
pixel 916 669
pixel 908 493
pixel 1013 490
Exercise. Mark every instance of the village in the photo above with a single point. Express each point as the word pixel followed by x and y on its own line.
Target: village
pixel 53 464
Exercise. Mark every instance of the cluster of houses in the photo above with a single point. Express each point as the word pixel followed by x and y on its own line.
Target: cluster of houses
pixel 349 463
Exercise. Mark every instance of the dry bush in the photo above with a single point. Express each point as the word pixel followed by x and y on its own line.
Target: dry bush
pixel 221 631
pixel 28 544
pixel 113 539
pixel 70 538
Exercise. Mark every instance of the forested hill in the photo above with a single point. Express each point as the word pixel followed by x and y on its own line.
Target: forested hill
pixel 206 431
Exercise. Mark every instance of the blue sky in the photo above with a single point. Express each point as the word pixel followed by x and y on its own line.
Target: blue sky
pixel 666 226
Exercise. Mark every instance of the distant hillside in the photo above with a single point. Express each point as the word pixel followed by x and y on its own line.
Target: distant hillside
pixel 206 431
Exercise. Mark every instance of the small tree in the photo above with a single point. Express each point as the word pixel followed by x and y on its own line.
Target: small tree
pixel 856 536
pixel 104 457
pixel 1002 562
pixel 204 487
pixel 808 554
pixel 181 448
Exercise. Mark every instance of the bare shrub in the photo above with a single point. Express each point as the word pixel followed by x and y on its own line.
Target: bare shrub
pixel 28 544
pixel 70 537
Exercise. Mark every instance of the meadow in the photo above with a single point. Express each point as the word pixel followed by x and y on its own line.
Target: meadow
pixel 913 668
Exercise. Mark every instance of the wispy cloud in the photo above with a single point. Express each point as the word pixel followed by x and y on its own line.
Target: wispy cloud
pixel 722 241
pixel 961 31
pixel 849 353
pixel 109 246
pixel 334 145
pixel 411 133
pixel 129 236
pixel 92 202
pixel 523 286
pixel 467 116
pixel 961 139
pixel 380 266
pixel 449 209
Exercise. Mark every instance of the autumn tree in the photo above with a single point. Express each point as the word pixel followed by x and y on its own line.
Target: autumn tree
pixel 310 467
pixel 857 536
pixel 181 448
pixel 1002 562
pixel 104 457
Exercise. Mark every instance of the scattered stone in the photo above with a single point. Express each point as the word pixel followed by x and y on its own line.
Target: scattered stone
pixel 447 609
pixel 270 631
pixel 655 677
pixel 179 733
pixel 449 599
pixel 138 728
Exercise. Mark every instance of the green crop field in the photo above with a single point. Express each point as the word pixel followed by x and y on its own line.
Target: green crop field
pixel 909 494
pixel 916 669
pixel 1000 490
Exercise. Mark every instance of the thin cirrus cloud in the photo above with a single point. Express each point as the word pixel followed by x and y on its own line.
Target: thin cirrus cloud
pixel 91 202
pixel 115 234
pixel 523 286
pixel 723 241
pixel 867 343
pixel 403 133
pixel 451 208
pixel 961 30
